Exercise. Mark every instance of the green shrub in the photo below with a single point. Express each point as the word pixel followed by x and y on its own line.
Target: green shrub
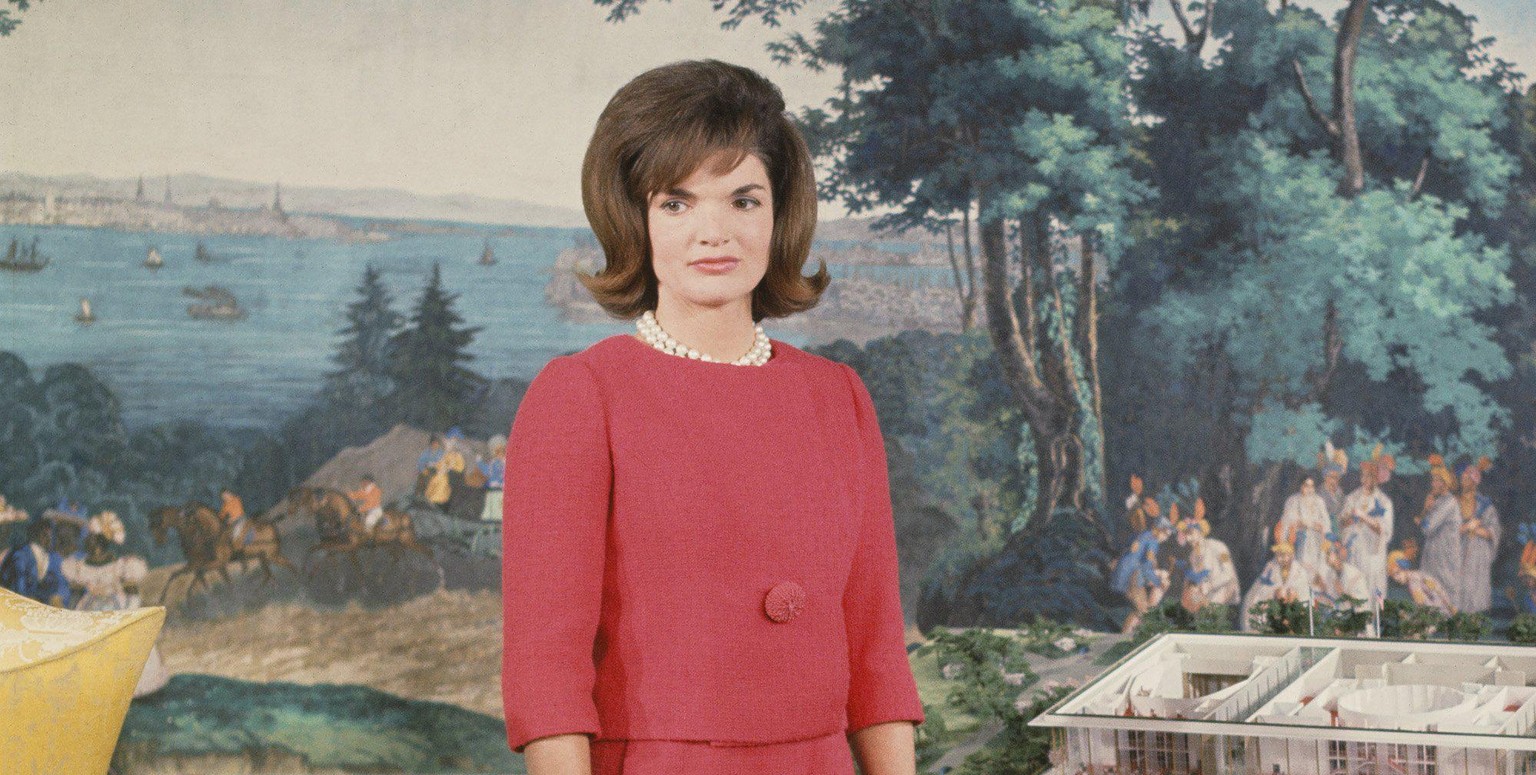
pixel 982 663
pixel 1280 617
pixel 1467 626
pixel 931 737
pixel 1343 621
pixel 1212 618
pixel 979 661
pixel 1522 629
pixel 1409 620
pixel 1170 617
pixel 1018 749
pixel 1042 636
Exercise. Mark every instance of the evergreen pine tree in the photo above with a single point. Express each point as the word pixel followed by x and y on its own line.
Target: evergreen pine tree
pixel 363 357
pixel 433 389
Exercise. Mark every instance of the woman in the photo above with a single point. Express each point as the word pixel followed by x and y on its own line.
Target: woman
pixel 1441 524
pixel 1303 523
pixel 1479 532
pixel 493 470
pixel 699 555
pixel 1366 525
pixel 111 583
pixel 1137 575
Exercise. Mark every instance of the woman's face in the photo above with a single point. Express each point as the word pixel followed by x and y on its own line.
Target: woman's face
pixel 710 236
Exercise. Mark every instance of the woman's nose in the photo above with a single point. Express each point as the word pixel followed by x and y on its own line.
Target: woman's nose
pixel 712 227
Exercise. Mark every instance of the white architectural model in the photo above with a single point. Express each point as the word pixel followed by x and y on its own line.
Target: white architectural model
pixel 1187 704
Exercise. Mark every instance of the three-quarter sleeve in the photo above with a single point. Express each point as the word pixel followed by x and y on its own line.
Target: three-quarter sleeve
pixel 556 502
pixel 881 687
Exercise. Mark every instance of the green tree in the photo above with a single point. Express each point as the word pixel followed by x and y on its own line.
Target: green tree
pixel 433 389
pixel 1325 262
pixel 363 358
pixel 993 683
pixel 11 19
pixel 1017 112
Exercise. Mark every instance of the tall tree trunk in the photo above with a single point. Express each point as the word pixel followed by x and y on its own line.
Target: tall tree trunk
pixel 1049 413
pixel 965 287
pixel 1346 48
pixel 1087 327
pixel 968 304
pixel 1343 134
pixel 954 268
pixel 1264 497
pixel 1194 39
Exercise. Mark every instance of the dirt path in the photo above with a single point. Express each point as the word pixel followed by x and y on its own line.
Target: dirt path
pixel 445 647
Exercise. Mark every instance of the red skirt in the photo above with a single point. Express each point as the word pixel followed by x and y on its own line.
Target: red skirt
pixel 827 755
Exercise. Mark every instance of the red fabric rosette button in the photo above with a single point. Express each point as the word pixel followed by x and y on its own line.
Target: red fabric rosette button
pixel 784 602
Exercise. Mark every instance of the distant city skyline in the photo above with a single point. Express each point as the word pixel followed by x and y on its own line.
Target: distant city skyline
pixel 481 97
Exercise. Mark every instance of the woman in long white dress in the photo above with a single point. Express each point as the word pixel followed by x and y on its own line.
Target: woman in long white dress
pixel 111 583
pixel 1441 523
pixel 1366 527
pixel 1479 539
pixel 1303 524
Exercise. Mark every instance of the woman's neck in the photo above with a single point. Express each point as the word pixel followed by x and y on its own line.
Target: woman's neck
pixel 723 333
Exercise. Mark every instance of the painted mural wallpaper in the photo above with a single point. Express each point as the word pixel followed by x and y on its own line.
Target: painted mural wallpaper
pixel 1177 315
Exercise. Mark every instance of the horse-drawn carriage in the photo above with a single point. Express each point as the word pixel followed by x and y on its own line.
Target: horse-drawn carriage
pixel 402 555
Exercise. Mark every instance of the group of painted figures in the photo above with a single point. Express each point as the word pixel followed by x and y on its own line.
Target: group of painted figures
pixel 1330 547
pixel 446 481
pixel 70 559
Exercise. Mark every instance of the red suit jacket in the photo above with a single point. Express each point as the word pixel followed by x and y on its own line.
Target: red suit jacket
pixel 699 551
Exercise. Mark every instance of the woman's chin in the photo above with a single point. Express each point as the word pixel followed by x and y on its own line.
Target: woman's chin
pixel 715 298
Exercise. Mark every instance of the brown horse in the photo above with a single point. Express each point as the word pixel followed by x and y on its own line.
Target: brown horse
pixel 208 545
pixel 343 529
pixel 199 529
pixel 265 546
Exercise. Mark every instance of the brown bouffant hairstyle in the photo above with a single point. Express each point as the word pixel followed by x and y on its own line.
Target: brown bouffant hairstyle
pixel 659 129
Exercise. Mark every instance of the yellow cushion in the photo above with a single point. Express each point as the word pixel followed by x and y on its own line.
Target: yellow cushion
pixel 66 678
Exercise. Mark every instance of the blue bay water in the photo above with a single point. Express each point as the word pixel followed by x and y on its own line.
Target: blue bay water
pixel 165 365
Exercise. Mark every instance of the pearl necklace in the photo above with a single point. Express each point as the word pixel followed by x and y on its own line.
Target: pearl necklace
pixel 653 335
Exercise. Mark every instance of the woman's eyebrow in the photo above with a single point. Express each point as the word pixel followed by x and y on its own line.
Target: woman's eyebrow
pixel 684 193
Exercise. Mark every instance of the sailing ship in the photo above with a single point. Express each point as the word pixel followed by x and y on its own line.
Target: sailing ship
pixel 23 258
pixel 488 256
pixel 85 316
pixel 203 254
pixel 153 259
pixel 219 303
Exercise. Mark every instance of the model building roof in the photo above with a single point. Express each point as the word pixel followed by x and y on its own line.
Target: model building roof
pixel 1473 695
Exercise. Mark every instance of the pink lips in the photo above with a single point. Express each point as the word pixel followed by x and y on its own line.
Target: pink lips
pixel 715 265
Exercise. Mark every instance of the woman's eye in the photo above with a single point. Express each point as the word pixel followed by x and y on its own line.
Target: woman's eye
pixel 673 205
pixel 747 203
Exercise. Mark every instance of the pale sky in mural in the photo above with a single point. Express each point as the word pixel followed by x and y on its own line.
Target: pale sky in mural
pixel 489 97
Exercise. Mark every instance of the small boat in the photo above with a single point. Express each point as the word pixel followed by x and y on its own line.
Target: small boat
pixel 219 303
pixel 85 316
pixel 203 254
pixel 23 258
pixel 216 311
pixel 488 256
pixel 153 260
